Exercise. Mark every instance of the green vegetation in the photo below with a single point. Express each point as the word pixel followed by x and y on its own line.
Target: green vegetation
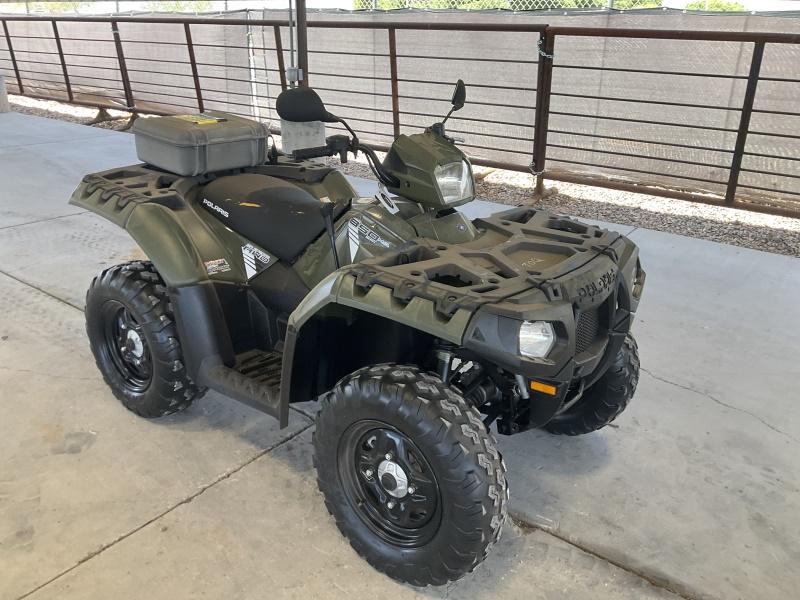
pixel 179 6
pixel 716 5
pixel 56 7
pixel 504 4
pixel 628 4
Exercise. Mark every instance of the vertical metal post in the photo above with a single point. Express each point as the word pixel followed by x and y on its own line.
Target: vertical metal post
pixel 13 58
pixel 63 61
pixel 544 80
pixel 744 121
pixel 123 68
pixel 302 42
pixel 279 51
pixel 4 105
pixel 395 91
pixel 195 75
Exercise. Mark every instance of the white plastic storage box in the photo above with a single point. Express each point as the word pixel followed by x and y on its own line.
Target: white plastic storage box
pixel 200 143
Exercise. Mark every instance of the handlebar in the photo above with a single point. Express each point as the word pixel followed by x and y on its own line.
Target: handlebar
pixel 341 145
pixel 307 153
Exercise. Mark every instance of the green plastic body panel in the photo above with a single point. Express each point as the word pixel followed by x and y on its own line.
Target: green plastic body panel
pixel 340 288
pixel 162 214
pixel 412 159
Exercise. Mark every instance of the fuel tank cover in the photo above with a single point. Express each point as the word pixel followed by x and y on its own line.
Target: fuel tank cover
pixel 277 215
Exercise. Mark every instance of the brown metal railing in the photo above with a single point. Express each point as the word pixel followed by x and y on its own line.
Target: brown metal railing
pixel 42 66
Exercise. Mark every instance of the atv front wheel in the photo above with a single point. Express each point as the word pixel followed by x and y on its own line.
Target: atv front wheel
pixel 410 474
pixel 134 340
pixel 605 399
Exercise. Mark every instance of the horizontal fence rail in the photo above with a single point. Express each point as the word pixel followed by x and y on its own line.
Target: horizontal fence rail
pixel 708 116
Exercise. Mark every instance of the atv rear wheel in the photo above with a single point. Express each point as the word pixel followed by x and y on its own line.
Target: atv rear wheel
pixel 410 474
pixel 606 398
pixel 134 339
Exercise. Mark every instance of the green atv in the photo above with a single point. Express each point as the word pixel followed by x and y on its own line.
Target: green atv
pixel 416 328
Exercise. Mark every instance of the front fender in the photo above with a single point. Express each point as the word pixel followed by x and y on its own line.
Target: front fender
pixel 339 290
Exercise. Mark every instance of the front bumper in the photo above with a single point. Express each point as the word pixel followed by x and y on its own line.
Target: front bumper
pixel 607 289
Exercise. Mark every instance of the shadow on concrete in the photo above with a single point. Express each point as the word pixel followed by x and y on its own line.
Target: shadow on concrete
pixel 214 411
pixel 566 456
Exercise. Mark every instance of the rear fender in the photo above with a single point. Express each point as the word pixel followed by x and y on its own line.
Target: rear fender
pixel 183 241
pixel 164 240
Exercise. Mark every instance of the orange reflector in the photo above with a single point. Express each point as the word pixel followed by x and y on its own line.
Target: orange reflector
pixel 545 388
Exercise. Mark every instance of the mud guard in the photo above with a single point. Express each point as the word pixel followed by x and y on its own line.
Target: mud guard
pixel 156 210
pixel 340 288
pixel 162 238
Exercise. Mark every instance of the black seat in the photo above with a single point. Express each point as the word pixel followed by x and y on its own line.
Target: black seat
pixel 276 215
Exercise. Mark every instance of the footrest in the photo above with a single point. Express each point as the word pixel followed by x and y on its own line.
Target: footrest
pixel 255 380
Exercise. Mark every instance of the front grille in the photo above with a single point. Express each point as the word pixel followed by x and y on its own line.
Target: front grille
pixel 586 329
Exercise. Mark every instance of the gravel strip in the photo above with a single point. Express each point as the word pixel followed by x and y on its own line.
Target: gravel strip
pixel 780 235
pixel 67 112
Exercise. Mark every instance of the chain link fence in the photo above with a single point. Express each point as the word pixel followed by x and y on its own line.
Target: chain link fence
pixel 216 6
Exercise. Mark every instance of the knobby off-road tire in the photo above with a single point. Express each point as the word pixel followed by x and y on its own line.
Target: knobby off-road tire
pixel 443 435
pixel 127 297
pixel 606 398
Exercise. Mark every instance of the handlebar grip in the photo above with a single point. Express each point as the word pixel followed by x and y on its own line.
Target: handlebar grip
pixel 304 153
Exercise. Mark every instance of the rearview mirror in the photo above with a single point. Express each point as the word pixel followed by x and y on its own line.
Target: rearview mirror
pixel 302 104
pixel 459 95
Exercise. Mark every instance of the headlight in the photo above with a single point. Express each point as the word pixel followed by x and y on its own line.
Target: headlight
pixel 536 338
pixel 454 181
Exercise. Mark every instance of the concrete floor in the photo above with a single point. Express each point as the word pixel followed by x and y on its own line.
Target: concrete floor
pixel 694 492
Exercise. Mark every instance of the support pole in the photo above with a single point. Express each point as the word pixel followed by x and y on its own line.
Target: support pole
pixel 198 90
pixel 744 122
pixel 302 42
pixel 395 91
pixel 279 54
pixel 4 105
pixel 544 80
pixel 64 71
pixel 13 58
pixel 123 67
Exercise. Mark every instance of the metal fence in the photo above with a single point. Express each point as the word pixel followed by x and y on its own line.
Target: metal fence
pixel 517 5
pixel 538 95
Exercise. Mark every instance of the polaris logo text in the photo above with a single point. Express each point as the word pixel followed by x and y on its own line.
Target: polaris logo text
pixel 216 208
pixel 600 285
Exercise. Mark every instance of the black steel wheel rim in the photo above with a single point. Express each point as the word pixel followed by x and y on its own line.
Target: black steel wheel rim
pixel 408 520
pixel 126 347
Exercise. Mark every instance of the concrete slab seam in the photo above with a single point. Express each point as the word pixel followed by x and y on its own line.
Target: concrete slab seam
pixel 722 403
pixel 657 582
pixel 38 289
pixel 186 500
pixel 75 214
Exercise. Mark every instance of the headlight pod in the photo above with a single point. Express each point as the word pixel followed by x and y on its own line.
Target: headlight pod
pixel 536 338
pixel 454 181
